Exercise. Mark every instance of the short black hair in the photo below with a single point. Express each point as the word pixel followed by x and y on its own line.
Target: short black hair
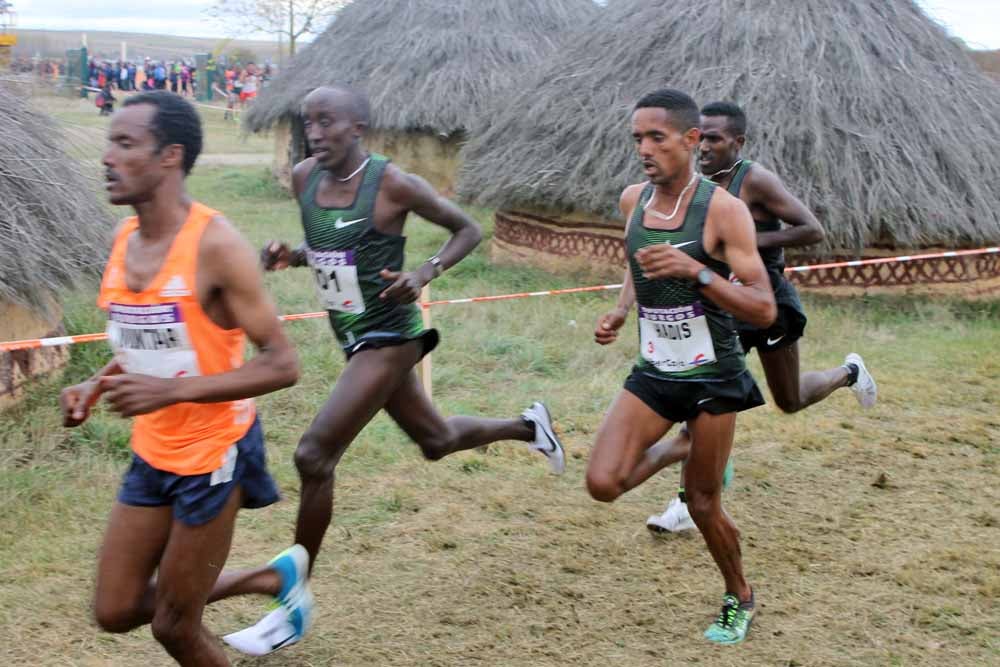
pixel 357 102
pixel 174 122
pixel 737 117
pixel 679 105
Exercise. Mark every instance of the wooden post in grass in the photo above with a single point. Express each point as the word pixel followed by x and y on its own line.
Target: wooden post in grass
pixel 425 363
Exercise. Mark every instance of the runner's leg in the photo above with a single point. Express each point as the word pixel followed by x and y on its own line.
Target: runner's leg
pixel 629 429
pixel 370 377
pixel 712 438
pixel 438 437
pixel 663 454
pixel 791 390
pixel 191 563
pixel 133 544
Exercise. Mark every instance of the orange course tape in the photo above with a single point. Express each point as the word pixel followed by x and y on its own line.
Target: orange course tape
pixel 34 343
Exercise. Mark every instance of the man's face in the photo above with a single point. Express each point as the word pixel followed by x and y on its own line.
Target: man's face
pixel 720 147
pixel 665 150
pixel 133 166
pixel 330 128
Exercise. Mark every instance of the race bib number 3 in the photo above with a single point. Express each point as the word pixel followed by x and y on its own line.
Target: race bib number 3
pixel 675 339
pixel 152 340
pixel 337 279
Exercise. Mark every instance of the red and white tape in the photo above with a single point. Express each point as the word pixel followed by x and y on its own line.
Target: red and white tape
pixel 197 104
pixel 35 343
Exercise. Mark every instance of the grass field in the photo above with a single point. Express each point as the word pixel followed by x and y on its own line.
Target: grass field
pixel 87 130
pixel 871 538
pixel 106 44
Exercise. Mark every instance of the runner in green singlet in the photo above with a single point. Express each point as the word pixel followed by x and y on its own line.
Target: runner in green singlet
pixel 684 238
pixel 723 134
pixel 354 206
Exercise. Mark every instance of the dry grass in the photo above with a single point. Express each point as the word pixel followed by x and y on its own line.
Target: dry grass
pixel 488 560
pixel 88 130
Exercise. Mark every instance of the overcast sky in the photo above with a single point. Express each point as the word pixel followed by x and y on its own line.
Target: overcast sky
pixel 975 21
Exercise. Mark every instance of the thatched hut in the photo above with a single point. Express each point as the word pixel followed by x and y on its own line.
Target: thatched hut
pixel 428 66
pixel 53 231
pixel 866 108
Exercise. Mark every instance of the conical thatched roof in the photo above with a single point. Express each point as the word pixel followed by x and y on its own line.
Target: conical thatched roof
pixel 53 229
pixel 871 114
pixel 425 64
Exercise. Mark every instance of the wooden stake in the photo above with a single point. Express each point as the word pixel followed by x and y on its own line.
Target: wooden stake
pixel 426 374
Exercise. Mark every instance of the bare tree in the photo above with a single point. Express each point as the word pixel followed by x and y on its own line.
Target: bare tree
pixel 287 19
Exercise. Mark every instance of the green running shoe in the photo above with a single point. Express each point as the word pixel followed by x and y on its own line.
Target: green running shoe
pixel 733 623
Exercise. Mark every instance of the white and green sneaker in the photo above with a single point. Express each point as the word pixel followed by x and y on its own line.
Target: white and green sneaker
pixel 733 623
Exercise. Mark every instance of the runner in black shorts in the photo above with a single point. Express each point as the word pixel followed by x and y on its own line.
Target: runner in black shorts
pixel 723 134
pixel 684 237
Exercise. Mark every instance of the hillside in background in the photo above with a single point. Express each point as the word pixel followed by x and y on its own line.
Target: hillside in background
pixel 105 44
pixel 988 60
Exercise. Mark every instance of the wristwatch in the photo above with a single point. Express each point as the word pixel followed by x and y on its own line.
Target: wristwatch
pixel 704 277
pixel 435 261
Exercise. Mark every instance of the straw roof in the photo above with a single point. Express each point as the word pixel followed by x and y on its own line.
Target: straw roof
pixel 53 229
pixel 425 64
pixel 866 108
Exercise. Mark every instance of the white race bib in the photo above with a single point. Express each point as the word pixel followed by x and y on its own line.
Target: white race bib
pixel 675 339
pixel 152 340
pixel 337 279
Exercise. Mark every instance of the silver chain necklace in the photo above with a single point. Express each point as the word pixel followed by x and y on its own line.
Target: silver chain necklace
pixel 355 172
pixel 726 171
pixel 677 206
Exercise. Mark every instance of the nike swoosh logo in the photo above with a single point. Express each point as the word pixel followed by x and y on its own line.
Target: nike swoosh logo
pixel 340 223
pixel 681 245
pixel 775 341
pixel 705 400
pixel 552 443
pixel 277 645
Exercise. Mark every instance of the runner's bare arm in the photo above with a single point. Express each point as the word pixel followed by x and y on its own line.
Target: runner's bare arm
pixel 626 204
pixel 608 324
pixel 767 191
pixel 417 195
pixel 730 223
pixel 230 266
pixel 409 192
pixel 77 400
pixel 277 255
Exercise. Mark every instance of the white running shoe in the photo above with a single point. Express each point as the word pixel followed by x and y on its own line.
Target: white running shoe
pixel 288 623
pixel 673 520
pixel 272 632
pixel 865 389
pixel 546 440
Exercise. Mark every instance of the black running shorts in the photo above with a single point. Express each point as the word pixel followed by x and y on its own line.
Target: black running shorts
pixel 787 329
pixel 378 339
pixel 679 401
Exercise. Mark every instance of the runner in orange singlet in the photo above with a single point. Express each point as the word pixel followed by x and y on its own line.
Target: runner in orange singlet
pixel 183 291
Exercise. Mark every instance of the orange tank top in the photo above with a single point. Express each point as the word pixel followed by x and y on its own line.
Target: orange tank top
pixel 163 331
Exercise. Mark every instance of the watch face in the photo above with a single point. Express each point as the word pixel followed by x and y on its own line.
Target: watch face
pixel 705 276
